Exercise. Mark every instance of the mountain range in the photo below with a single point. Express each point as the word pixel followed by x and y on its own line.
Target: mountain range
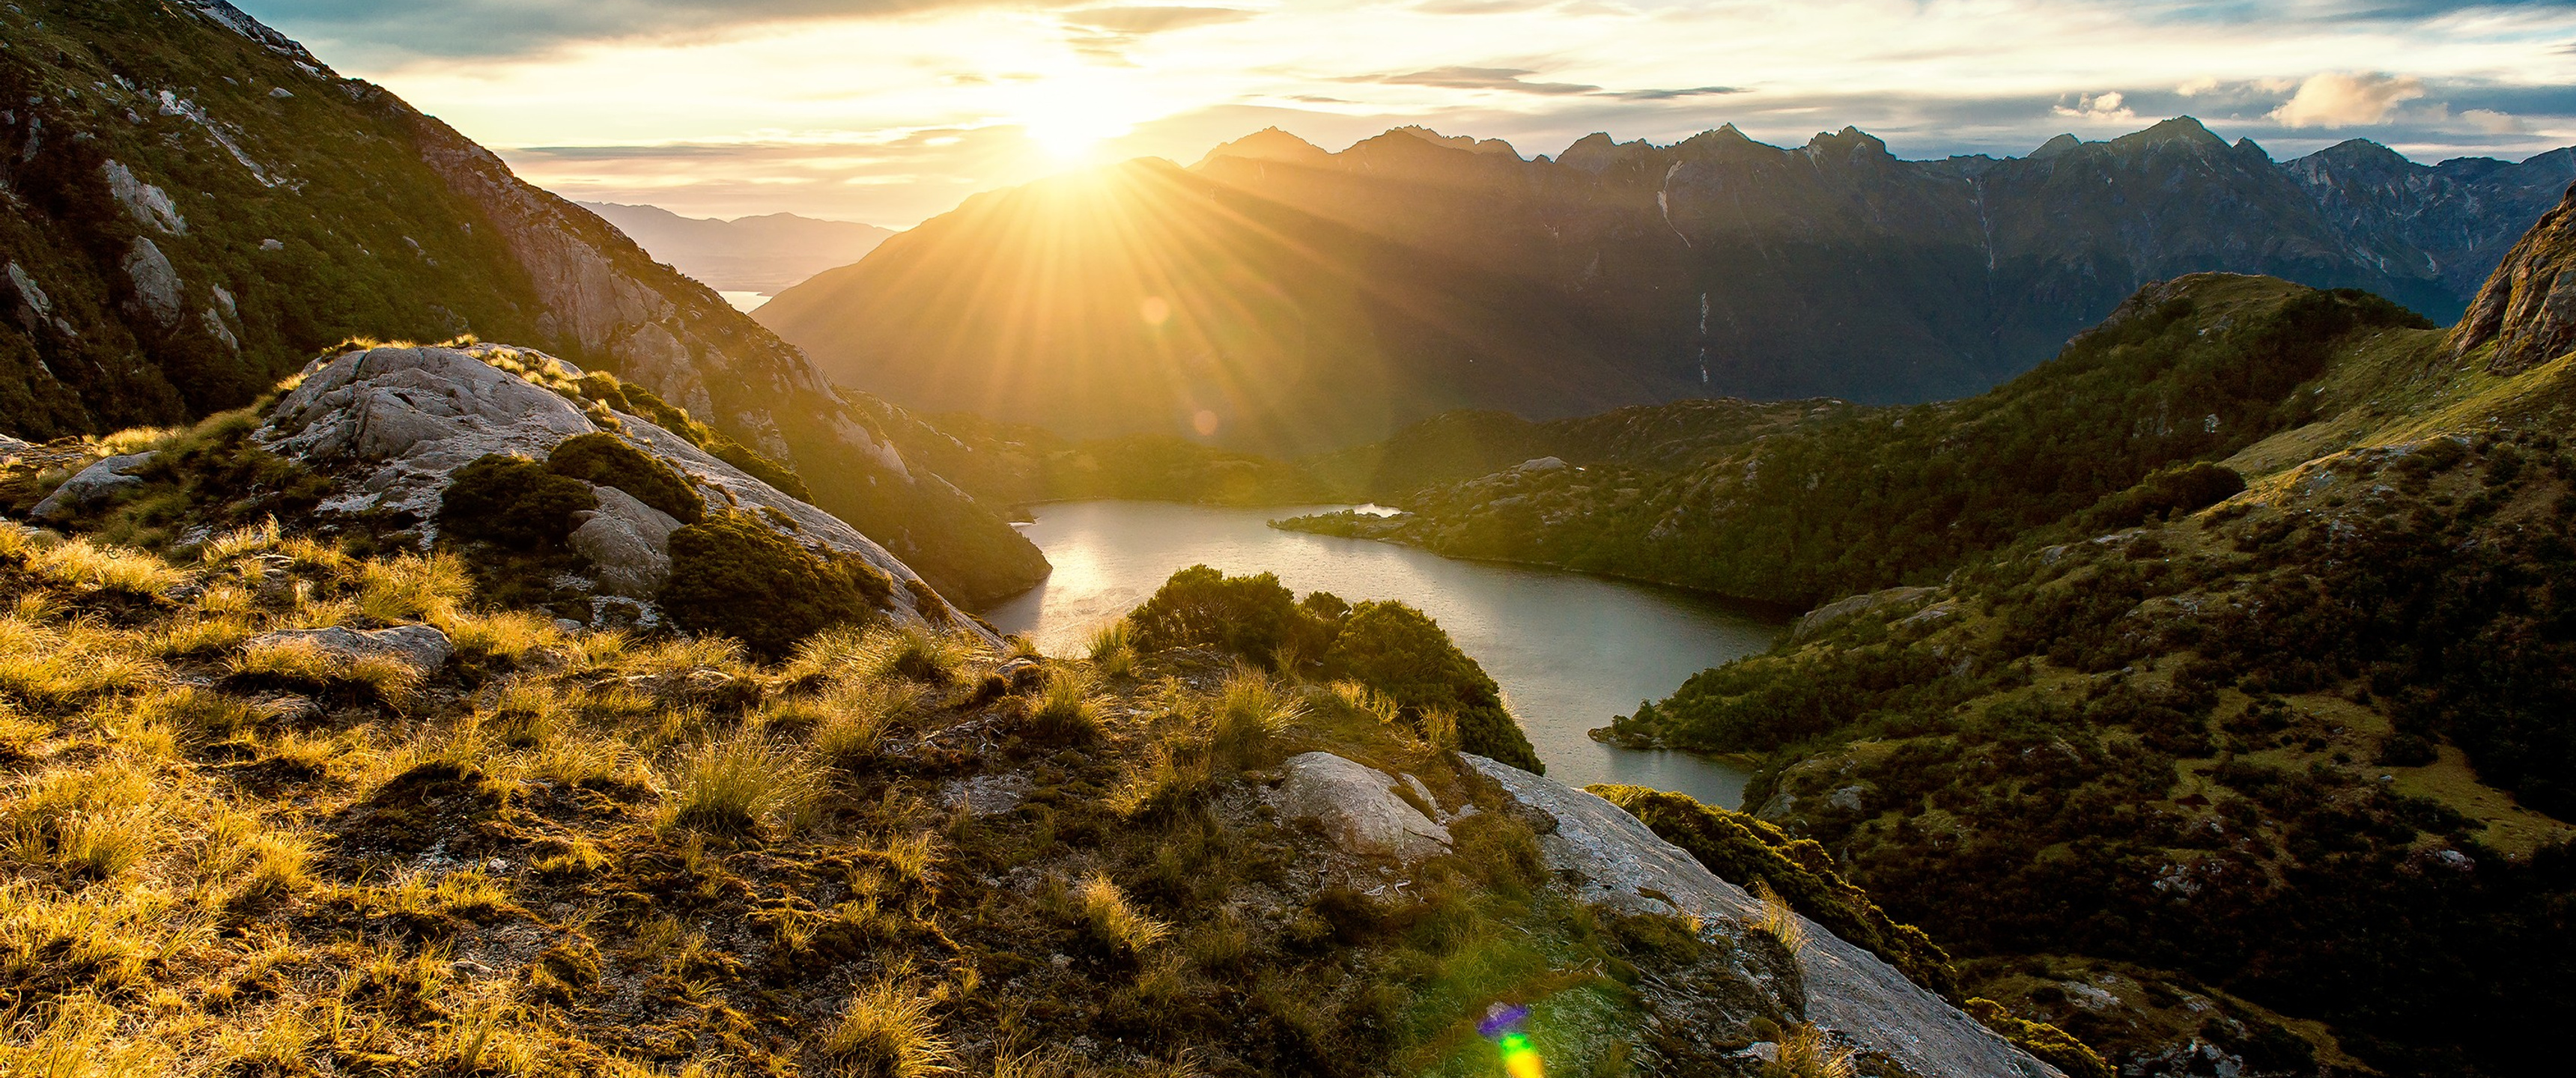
pixel 763 254
pixel 192 206
pixel 1276 296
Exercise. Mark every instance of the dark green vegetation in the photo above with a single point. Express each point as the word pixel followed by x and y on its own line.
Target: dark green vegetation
pixel 607 460
pixel 199 206
pixel 1293 300
pixel 1766 503
pixel 2275 721
pixel 1398 652
pixel 733 577
pixel 512 502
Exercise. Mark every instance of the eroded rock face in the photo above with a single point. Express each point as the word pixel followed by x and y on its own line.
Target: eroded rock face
pixel 1608 858
pixel 1358 807
pixel 421 647
pixel 1824 617
pixel 2528 307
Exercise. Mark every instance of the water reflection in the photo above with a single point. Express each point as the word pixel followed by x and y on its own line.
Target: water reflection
pixel 1569 651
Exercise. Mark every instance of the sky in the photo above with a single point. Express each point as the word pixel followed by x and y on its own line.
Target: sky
pixel 892 111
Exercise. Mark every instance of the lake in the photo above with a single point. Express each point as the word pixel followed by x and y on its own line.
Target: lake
pixel 1570 651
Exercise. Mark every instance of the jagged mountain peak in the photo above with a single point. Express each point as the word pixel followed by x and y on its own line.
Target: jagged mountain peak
pixel 1269 144
pixel 2055 146
pixel 2182 130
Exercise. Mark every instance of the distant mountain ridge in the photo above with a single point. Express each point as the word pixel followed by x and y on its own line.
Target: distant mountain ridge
pixel 765 253
pixel 1414 273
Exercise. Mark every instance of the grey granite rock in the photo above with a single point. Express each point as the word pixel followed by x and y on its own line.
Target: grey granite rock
pixel 1357 806
pixel 421 647
pixel 91 486
pixel 1606 857
pixel 628 543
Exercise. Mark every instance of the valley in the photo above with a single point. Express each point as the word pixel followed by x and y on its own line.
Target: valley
pixel 1691 608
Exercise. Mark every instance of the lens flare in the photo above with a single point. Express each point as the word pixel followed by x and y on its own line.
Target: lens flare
pixel 1502 1025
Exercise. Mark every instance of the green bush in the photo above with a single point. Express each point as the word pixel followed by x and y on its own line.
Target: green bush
pixel 1250 616
pixel 731 575
pixel 607 460
pixel 2052 1045
pixel 513 502
pixel 1401 652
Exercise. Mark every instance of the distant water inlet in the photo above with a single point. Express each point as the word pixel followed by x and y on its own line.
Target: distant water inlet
pixel 1569 651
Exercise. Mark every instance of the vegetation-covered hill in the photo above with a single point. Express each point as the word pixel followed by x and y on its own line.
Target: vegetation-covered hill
pixel 1306 300
pixel 2229 693
pixel 192 206
pixel 1799 503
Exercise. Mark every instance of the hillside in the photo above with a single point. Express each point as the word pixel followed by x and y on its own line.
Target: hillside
pixel 1304 301
pixel 192 206
pixel 337 736
pixel 2220 714
pixel 765 253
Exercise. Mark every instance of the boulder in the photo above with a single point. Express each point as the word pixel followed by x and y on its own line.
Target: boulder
pixel 628 542
pixel 421 647
pixel 156 282
pixel 1357 806
pixel 1826 616
pixel 92 486
pixel 1606 857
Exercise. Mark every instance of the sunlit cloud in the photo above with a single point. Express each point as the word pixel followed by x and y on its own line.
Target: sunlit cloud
pixel 2355 100
pixel 894 110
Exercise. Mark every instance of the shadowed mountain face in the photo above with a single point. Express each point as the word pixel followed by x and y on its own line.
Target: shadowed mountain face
pixel 1301 298
pixel 192 206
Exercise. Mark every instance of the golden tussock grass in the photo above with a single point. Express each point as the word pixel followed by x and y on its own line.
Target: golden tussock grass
pixel 888 1030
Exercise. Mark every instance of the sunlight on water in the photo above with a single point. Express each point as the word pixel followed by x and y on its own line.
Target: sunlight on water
pixel 1569 651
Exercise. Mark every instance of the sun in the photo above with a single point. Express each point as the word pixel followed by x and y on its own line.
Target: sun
pixel 1069 116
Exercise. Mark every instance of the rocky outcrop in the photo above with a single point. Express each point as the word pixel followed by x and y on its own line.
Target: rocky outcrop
pixel 1824 617
pixel 421 647
pixel 1358 808
pixel 392 426
pixel 2528 307
pixel 91 486
pixel 1606 857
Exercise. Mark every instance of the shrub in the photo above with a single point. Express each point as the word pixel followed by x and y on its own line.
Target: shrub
pixel 1249 616
pixel 731 575
pixel 1401 652
pixel 2052 1045
pixel 888 1032
pixel 607 460
pixel 512 502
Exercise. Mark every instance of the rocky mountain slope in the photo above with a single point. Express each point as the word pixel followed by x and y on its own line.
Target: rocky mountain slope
pixel 196 206
pixel 1280 298
pixel 765 253
pixel 2220 695
pixel 372 783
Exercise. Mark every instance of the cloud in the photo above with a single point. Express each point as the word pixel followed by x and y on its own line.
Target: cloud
pixel 1138 21
pixel 2331 99
pixel 1509 80
pixel 2106 106
pixel 2495 123
pixel 457 28
pixel 1479 78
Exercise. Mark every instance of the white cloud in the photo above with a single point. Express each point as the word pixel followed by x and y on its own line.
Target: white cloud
pixel 2104 106
pixel 2495 123
pixel 2198 86
pixel 2358 99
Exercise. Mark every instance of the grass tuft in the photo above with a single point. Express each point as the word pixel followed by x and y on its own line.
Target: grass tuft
pixel 742 782
pixel 887 1031
pixel 1114 923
